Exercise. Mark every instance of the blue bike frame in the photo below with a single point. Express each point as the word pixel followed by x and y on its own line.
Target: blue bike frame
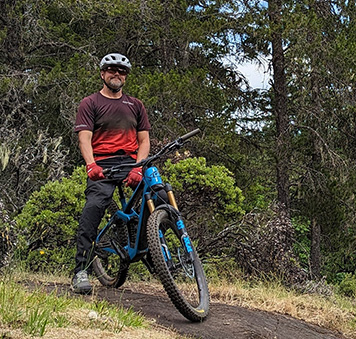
pixel 150 181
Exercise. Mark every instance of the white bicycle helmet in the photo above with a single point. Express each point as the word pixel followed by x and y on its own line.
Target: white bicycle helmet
pixel 115 59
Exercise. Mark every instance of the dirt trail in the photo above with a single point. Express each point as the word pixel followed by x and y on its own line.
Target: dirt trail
pixel 225 322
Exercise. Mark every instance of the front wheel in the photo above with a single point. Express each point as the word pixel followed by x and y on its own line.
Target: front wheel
pixel 180 272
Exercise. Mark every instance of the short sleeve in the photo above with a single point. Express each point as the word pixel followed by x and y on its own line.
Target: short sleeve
pixel 85 116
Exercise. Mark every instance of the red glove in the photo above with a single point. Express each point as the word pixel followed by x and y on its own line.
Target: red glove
pixel 95 172
pixel 134 177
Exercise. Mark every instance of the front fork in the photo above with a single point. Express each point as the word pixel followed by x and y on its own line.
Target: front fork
pixel 182 232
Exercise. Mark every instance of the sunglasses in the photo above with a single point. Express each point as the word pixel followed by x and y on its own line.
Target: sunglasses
pixel 113 70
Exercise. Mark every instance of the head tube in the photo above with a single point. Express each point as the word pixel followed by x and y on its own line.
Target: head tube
pixel 152 176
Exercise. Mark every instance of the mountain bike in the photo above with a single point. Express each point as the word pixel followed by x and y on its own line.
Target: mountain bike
pixel 149 227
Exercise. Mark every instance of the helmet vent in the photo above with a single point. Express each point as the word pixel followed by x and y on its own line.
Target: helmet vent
pixel 116 60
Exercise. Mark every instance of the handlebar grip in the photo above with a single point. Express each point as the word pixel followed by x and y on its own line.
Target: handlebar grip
pixel 106 171
pixel 190 134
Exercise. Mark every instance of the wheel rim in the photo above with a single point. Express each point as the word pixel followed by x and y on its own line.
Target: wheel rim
pixel 109 264
pixel 181 270
pixel 188 267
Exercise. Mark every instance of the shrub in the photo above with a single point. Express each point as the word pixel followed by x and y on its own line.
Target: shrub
pixel 47 224
pixel 262 244
pixel 267 246
pixel 302 243
pixel 207 196
pixel 348 285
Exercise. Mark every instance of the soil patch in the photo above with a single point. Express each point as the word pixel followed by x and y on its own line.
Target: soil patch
pixel 225 321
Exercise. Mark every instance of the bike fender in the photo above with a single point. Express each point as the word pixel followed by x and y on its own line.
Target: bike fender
pixel 170 209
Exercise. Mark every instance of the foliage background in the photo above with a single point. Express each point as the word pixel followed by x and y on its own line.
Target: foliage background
pixel 187 57
pixel 47 225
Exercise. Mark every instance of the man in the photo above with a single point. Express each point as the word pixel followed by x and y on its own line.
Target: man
pixel 113 128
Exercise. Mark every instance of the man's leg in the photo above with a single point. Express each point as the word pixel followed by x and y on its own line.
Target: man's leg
pixel 98 196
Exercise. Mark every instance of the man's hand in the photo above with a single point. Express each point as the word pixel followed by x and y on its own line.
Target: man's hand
pixel 95 172
pixel 134 177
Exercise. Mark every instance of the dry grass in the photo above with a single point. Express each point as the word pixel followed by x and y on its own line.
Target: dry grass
pixel 333 312
pixel 78 318
pixel 80 333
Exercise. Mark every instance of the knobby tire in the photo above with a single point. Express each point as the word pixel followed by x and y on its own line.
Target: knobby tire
pixel 110 270
pixel 195 309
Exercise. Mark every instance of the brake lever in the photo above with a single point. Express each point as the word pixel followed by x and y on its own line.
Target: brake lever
pixel 108 173
pixel 176 145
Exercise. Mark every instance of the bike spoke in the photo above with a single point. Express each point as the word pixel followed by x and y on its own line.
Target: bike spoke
pixel 181 272
pixel 109 268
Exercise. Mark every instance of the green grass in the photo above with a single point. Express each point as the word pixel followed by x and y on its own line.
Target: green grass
pixel 34 312
pixel 37 312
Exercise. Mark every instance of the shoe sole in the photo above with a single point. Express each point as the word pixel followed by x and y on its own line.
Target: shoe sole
pixel 81 290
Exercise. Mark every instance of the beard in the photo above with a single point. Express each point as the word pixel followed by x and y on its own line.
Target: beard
pixel 115 83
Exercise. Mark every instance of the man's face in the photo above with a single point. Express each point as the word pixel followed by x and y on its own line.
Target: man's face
pixel 114 76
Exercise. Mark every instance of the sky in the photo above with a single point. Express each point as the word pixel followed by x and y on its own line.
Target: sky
pixel 258 76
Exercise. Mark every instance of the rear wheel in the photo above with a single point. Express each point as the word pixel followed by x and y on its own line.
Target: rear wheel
pixel 109 268
pixel 180 272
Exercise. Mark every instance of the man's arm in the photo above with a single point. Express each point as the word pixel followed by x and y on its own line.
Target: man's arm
pixel 143 139
pixel 94 171
pixel 135 175
pixel 85 146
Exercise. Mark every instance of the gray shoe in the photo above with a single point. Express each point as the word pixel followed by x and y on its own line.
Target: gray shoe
pixel 81 283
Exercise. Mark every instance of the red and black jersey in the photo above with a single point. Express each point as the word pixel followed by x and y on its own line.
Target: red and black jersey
pixel 114 122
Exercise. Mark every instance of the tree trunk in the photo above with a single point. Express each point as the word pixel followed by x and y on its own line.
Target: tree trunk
pixel 315 250
pixel 280 103
pixel 316 163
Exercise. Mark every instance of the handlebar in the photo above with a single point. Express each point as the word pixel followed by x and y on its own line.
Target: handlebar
pixel 190 134
pixel 170 147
